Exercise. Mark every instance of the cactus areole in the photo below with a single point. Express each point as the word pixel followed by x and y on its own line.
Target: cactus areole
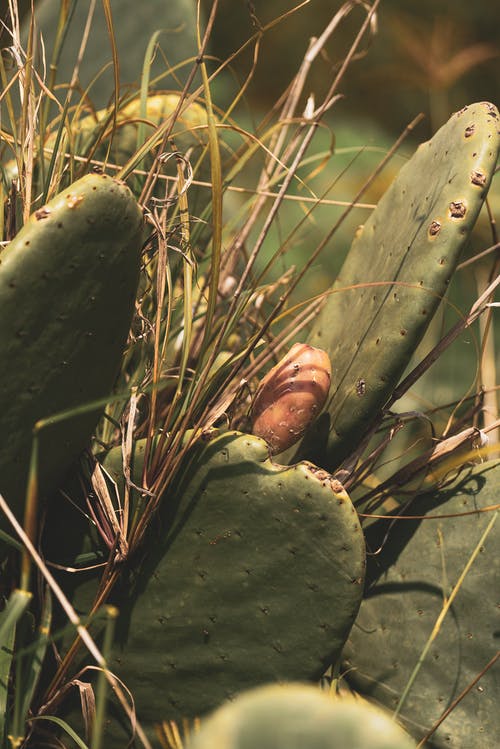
pixel 67 287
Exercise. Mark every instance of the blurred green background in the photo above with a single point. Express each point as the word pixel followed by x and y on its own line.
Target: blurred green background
pixel 428 56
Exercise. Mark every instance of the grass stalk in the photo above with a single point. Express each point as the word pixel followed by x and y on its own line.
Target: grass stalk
pixel 111 614
pixel 75 620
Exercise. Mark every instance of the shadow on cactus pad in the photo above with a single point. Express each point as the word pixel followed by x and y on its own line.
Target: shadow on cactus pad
pixel 409 583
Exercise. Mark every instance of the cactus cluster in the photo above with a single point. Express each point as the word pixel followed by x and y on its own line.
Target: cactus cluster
pixel 253 572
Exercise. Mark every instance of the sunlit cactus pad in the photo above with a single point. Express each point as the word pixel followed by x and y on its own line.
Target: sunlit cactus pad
pixel 189 129
pixel 67 287
pixel 397 272
pixel 412 577
pixel 254 574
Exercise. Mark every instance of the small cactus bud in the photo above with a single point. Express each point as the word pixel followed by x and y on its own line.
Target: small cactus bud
pixel 290 396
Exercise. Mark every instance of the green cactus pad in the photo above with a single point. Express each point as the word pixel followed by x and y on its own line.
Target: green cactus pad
pixel 411 245
pixel 189 133
pixel 254 573
pixel 189 129
pixel 296 716
pixel 415 572
pixel 67 289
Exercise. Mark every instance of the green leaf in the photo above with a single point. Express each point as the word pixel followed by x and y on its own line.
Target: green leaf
pixel 13 611
pixel 35 656
pixel 67 728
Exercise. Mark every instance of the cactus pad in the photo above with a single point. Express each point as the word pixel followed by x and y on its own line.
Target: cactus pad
pixel 67 287
pixel 414 574
pixel 295 716
pixel 254 573
pixel 189 129
pixel 396 274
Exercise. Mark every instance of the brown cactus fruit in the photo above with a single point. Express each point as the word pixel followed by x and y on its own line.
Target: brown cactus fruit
pixel 290 396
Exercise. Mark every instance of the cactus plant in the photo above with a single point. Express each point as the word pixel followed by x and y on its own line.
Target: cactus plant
pixel 246 571
pixel 420 563
pixel 189 128
pixel 396 274
pixel 296 716
pixel 188 133
pixel 67 287
pixel 242 545
pixel 253 573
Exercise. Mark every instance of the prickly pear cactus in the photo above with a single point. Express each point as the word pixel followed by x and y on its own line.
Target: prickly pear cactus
pixel 254 573
pixel 413 576
pixel 296 716
pixel 67 288
pixel 189 129
pixel 189 132
pixel 396 274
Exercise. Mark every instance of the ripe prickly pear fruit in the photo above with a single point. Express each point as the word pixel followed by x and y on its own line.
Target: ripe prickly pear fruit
pixel 290 396
pixel 295 716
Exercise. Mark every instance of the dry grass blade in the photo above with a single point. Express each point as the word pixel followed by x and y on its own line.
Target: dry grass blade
pixel 478 308
pixel 458 699
pixel 64 20
pixel 216 181
pixel 448 456
pixel 112 528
